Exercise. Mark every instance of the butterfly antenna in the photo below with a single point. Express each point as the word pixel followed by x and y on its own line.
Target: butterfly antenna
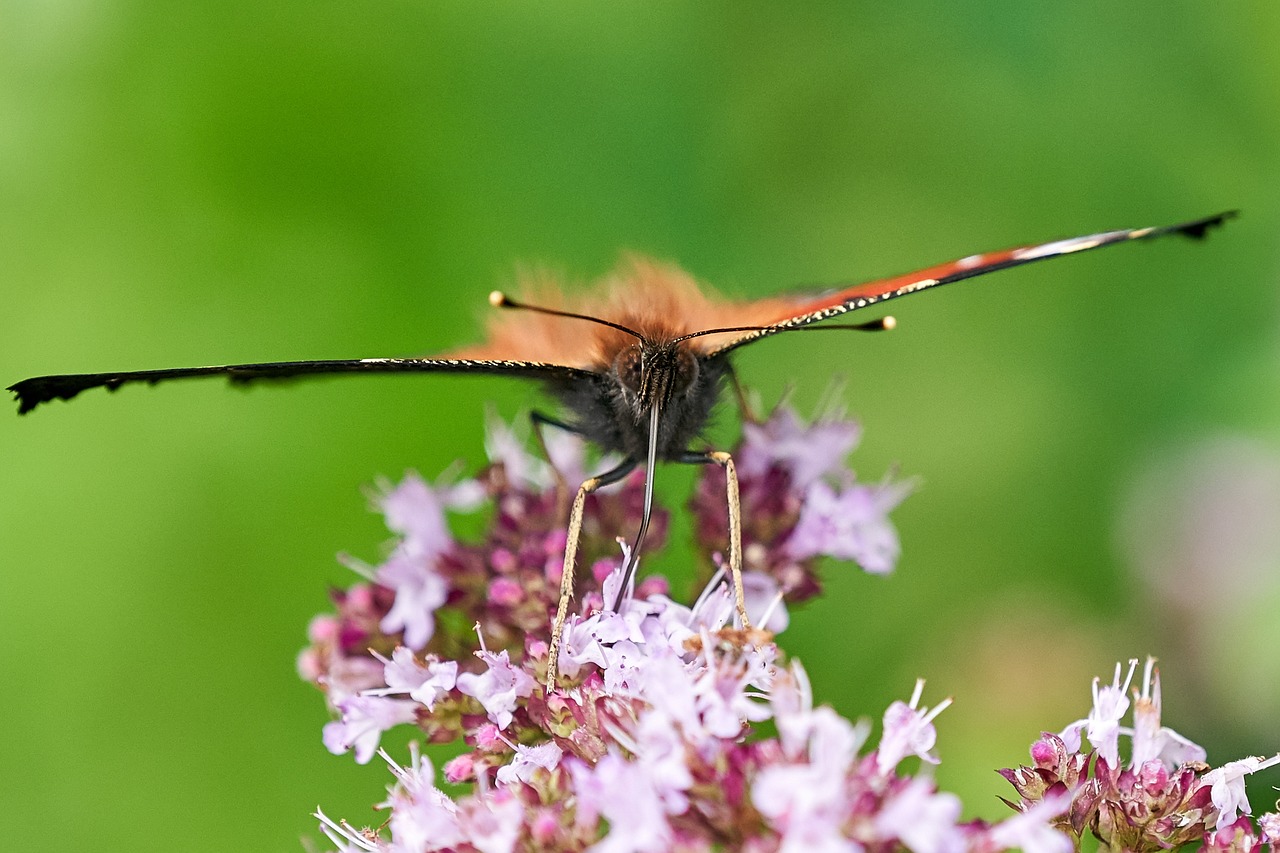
pixel 883 324
pixel 498 299
pixel 630 569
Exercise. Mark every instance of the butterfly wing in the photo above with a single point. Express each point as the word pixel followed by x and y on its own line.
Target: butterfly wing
pixel 567 354
pixel 834 302
pixel 41 389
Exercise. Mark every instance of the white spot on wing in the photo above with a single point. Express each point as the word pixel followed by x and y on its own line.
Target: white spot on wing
pixel 917 285
pixel 1066 247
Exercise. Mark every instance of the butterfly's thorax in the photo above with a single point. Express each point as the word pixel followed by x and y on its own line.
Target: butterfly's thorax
pixel 614 410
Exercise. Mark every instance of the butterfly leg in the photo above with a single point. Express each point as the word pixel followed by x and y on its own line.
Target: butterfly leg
pixel 740 395
pixel 539 421
pixel 570 557
pixel 725 461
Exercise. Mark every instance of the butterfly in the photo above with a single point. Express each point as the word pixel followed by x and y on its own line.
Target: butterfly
pixel 637 365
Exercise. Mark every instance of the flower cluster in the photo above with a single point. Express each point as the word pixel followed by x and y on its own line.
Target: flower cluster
pixel 671 728
pixel 440 597
pixel 799 502
pixel 1164 797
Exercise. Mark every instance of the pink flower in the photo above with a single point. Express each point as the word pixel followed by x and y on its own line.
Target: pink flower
pixel 422 816
pixel 1270 825
pixel 806 800
pixel 460 769
pixel 1227 785
pixel 1102 726
pixel 723 700
pixel 580 646
pixel 664 683
pixel 491 824
pixel 624 661
pixel 415 510
pixel 488 738
pixel 528 760
pixel 623 792
pixel 604 638
pixel 1031 831
pixel 805 804
pixel 1152 740
pixel 544 826
pixel 908 730
pixel 764 600
pixel 1238 836
pixel 807 452
pixel 364 719
pixel 923 819
pixel 662 751
pixel 833 741
pixel 348 676
pixel 347 837
pixel 792 700
pixel 498 687
pixel 849 525
pixel 505 592
pixel 419 591
pixel 426 684
pixel 324 629
pixel 504 447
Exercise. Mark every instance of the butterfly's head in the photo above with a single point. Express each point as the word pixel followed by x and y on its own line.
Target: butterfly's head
pixel 653 375
pixel 642 379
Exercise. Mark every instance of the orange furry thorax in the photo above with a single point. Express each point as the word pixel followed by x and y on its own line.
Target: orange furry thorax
pixel 659 301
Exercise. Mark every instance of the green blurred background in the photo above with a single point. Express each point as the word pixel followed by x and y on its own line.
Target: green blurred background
pixel 196 183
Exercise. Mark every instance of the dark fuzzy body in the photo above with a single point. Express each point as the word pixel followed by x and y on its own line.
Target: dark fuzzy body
pixel 604 410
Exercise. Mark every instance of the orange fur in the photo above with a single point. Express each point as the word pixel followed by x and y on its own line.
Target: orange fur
pixel 660 301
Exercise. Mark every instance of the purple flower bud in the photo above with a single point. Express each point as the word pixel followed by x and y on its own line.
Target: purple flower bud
pixel 460 769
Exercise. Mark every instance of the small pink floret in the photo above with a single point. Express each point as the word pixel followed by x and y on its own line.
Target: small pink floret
pixel 487 737
pixel 505 592
pixel 460 769
pixel 323 629
pixel 360 597
pixel 545 826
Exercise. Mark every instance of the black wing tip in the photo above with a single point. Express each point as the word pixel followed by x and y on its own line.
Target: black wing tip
pixel 25 404
pixel 1200 228
pixel 30 393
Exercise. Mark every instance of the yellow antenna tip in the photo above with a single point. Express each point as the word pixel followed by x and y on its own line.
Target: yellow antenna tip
pixel 889 322
pixel 497 298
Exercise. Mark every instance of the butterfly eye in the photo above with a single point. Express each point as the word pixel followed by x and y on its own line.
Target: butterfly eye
pixel 686 371
pixel 629 366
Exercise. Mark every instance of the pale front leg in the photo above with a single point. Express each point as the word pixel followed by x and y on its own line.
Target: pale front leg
pixel 725 461
pixel 566 578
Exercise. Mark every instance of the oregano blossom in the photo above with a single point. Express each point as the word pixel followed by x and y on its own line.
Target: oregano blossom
pixel 671 727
